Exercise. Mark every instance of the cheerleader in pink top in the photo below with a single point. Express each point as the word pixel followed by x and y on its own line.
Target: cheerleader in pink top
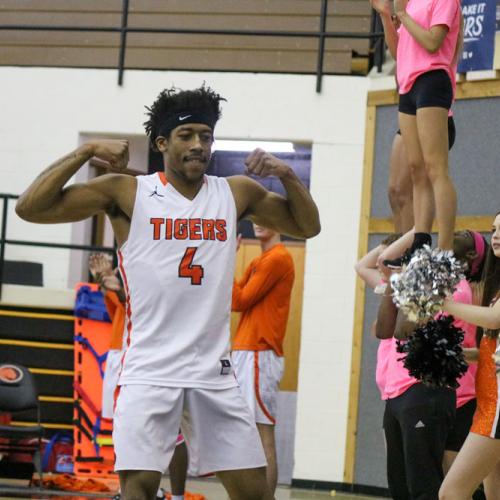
pixel 479 458
pixel 426 49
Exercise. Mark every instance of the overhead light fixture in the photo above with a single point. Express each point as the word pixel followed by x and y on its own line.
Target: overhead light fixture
pixel 269 146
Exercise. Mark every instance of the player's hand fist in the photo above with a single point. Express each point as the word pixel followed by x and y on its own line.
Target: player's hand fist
pixel 111 282
pixel 114 152
pixel 264 164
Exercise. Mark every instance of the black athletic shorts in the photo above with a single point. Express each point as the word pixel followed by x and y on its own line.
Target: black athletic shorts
pixel 431 89
pixel 460 430
pixel 452 132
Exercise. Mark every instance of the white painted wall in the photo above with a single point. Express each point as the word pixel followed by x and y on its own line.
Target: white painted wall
pixel 45 111
pixel 327 318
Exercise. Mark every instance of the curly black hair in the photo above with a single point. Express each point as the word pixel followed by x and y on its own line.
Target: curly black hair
pixel 174 100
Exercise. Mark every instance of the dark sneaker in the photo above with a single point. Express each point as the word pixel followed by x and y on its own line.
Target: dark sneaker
pixel 400 261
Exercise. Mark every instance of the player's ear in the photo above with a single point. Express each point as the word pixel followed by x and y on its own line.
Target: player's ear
pixel 161 143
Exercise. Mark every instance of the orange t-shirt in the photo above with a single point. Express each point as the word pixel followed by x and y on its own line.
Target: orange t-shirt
pixel 116 311
pixel 263 298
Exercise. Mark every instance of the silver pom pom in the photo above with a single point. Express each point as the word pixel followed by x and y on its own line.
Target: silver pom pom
pixel 422 286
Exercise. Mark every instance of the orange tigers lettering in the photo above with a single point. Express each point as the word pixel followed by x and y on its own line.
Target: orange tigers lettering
pixel 188 229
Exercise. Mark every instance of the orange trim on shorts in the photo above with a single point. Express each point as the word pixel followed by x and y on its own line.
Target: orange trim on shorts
pixel 162 177
pixel 128 309
pixel 257 388
pixel 116 393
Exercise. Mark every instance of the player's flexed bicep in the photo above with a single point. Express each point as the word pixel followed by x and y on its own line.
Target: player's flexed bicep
pixel 82 200
pixel 296 215
pixel 263 207
pixel 47 200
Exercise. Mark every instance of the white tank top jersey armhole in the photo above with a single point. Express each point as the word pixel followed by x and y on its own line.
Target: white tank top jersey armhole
pixel 177 267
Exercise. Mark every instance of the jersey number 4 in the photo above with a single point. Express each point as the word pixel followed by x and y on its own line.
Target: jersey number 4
pixel 189 270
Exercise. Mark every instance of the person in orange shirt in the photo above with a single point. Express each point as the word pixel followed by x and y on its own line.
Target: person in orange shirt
pixel 100 267
pixel 263 298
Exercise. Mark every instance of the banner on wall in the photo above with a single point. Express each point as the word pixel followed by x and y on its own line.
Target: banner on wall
pixel 479 35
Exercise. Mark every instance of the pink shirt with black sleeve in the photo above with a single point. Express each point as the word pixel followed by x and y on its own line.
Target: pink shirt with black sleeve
pixel 412 59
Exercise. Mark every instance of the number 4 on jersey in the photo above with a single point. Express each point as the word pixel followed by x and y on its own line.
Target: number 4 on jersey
pixel 189 270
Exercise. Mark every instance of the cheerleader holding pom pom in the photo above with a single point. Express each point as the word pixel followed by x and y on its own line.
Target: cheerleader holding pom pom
pixel 479 458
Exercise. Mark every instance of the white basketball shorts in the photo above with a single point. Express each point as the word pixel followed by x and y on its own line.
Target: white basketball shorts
pixel 259 374
pixel 217 425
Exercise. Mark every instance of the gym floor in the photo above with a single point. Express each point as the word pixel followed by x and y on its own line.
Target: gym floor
pixel 213 490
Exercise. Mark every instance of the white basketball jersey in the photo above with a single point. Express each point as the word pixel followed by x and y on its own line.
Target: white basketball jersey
pixel 177 267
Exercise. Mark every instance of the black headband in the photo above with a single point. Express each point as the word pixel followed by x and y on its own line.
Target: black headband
pixel 183 117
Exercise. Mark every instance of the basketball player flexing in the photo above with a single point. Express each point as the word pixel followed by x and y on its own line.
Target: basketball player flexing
pixel 176 234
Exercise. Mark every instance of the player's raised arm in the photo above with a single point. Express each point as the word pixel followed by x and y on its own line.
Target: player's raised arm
pixel 296 215
pixel 383 7
pixel 46 200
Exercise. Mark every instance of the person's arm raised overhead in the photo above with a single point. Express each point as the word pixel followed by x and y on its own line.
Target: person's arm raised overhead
pixel 366 267
pixel 383 7
pixel 47 200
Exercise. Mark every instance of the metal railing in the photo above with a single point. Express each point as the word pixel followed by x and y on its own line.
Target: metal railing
pixel 375 36
pixel 4 241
